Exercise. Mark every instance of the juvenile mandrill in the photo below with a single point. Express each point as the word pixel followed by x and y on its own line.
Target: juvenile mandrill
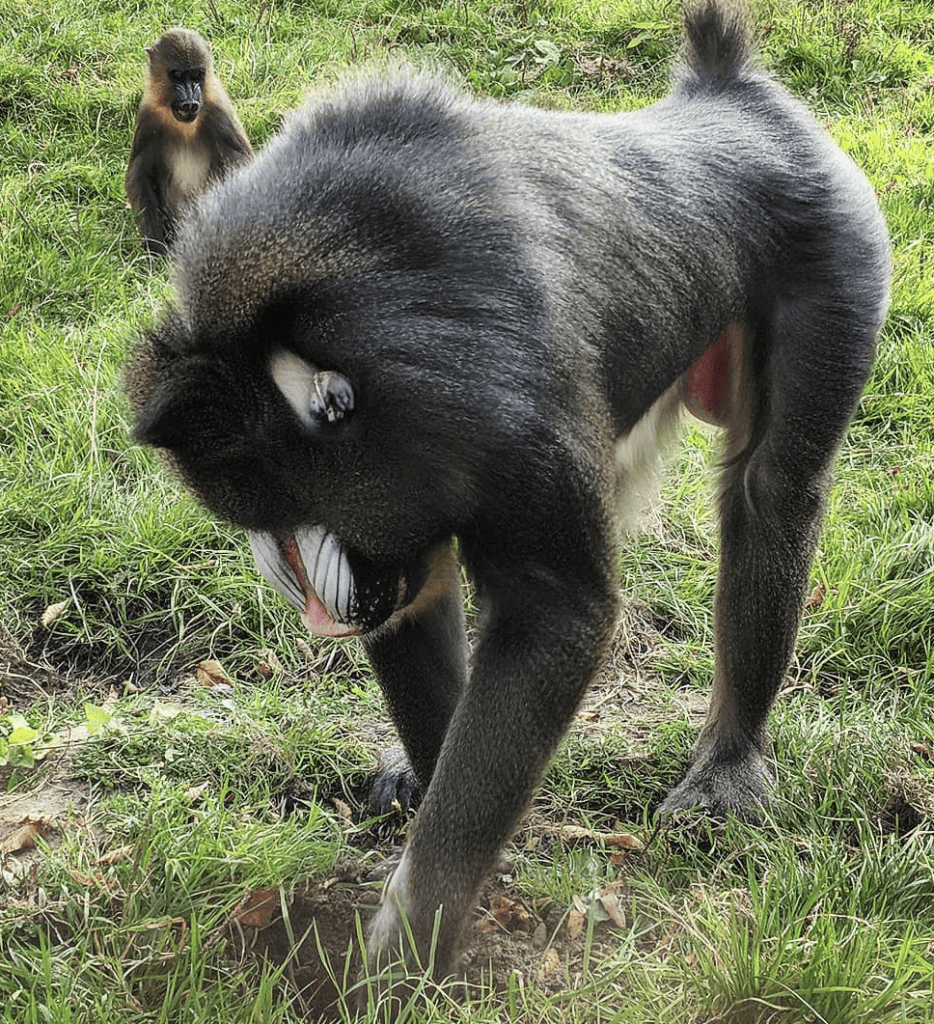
pixel 418 316
pixel 187 135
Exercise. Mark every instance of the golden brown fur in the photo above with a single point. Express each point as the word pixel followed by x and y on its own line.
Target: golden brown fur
pixel 187 135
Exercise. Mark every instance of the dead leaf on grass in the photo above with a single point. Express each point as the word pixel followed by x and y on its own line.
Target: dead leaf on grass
pixel 600 66
pixel 550 963
pixel 52 613
pixel 121 853
pixel 579 834
pixel 25 836
pixel 600 904
pixel 257 909
pixel 345 812
pixel 817 596
pixel 194 793
pixel 268 665
pixel 108 883
pixel 504 914
pixel 211 673
pixel 612 907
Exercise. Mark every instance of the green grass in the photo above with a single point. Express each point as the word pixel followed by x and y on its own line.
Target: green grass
pixel 826 913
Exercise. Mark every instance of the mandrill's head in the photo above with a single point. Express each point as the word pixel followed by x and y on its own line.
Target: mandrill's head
pixel 269 441
pixel 330 376
pixel 179 65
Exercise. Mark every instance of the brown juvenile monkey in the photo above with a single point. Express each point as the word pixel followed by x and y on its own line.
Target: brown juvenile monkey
pixel 187 135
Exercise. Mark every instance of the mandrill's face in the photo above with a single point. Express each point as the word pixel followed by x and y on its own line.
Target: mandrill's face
pixel 312 570
pixel 268 444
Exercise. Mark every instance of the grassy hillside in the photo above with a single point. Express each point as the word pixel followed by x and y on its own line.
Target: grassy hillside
pixel 181 794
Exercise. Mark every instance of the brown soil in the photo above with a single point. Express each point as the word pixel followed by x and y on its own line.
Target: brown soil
pixel 313 930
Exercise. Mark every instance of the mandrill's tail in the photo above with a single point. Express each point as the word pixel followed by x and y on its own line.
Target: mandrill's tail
pixel 719 42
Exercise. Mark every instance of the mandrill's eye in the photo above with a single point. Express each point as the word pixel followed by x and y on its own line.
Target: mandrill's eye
pixel 318 396
pixel 331 396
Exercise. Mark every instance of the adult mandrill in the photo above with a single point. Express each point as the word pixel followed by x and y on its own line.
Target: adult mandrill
pixel 416 316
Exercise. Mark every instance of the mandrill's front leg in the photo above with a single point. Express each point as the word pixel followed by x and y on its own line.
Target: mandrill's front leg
pixel 540 644
pixel 420 659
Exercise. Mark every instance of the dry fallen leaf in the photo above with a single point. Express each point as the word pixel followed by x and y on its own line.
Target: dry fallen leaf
pixel 345 812
pixel 25 836
pixel 574 833
pixel 196 792
pixel 621 840
pixel 121 853
pixel 504 914
pixel 211 673
pixel 257 909
pixel 617 840
pixel 614 910
pixel 576 920
pixel 269 664
pixel 550 963
pixel 817 596
pixel 106 882
pixel 52 613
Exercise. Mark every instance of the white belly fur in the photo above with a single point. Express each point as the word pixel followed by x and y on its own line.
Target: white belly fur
pixel 639 457
pixel 190 170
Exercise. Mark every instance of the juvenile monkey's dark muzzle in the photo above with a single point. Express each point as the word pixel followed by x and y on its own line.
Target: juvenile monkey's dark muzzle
pixel 187 104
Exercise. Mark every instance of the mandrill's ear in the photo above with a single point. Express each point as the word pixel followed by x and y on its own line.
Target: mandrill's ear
pixel 331 396
pixel 318 396
pixel 166 421
pixel 176 404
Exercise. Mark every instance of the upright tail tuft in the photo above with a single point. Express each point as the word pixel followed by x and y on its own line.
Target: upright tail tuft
pixel 719 39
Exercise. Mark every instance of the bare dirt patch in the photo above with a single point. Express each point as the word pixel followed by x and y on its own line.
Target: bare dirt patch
pixel 314 933
pixel 313 929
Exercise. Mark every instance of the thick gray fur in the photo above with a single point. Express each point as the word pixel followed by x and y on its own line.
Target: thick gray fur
pixel 519 302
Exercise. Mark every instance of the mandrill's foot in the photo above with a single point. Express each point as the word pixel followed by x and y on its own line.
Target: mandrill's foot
pixel 720 784
pixel 395 787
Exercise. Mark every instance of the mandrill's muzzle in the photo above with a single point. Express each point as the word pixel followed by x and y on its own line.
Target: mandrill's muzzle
pixel 312 572
pixel 338 591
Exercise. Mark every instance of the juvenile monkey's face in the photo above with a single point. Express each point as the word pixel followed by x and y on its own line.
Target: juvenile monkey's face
pixel 187 84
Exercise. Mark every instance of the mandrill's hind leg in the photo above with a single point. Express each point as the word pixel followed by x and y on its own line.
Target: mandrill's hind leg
pixel 783 432
pixel 421 664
